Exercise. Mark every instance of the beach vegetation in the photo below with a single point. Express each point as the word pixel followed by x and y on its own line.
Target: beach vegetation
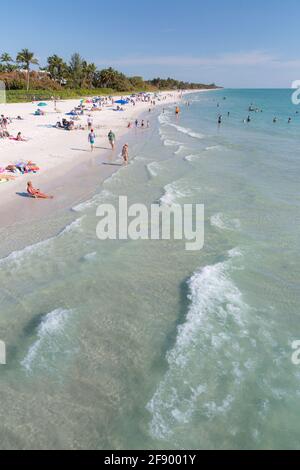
pixel 24 79
pixel 26 58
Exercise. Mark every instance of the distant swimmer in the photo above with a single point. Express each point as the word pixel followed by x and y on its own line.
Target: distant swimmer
pixel 289 120
pixel 275 120
pixel 248 119
pixel 228 114
pixel 220 119
pixel 177 111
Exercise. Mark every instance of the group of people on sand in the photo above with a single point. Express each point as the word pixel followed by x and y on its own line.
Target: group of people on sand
pixel 4 133
pixel 112 141
pixel 12 171
pixel 79 111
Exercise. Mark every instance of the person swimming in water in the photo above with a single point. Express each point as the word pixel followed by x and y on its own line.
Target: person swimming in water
pixel 220 119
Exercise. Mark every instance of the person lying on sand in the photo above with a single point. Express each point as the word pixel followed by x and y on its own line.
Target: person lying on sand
pixel 19 138
pixel 4 177
pixel 36 193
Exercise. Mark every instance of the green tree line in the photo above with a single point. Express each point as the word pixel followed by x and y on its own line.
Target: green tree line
pixel 20 73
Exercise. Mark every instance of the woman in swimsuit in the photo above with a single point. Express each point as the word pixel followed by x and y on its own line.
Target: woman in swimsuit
pixel 36 193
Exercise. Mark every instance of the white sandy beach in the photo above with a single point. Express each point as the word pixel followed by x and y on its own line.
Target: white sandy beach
pixel 52 148
pixel 68 169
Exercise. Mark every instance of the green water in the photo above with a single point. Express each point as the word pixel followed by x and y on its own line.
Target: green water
pixel 142 344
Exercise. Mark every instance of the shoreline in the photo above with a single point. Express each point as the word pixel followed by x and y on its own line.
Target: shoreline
pixel 74 180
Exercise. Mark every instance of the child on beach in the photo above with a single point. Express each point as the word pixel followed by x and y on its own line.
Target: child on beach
pixel 91 139
pixel 125 154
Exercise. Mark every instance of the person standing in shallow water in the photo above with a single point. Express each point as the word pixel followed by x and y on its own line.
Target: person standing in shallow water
pixel 125 154
pixel 91 139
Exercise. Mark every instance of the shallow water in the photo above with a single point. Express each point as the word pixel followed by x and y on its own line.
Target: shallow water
pixel 123 344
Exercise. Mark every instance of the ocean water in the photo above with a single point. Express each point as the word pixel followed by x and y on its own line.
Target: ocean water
pixel 142 344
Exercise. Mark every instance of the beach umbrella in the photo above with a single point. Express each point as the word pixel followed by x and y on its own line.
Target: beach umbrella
pixel 42 104
pixel 121 102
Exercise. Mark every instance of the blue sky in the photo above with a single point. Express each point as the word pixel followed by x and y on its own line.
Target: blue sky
pixel 235 43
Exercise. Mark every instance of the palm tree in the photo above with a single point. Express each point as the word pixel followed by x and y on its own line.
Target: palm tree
pixel 26 59
pixel 57 67
pixel 108 77
pixel 6 59
pixel 89 72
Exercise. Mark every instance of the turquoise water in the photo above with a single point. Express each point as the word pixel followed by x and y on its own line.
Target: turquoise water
pixel 142 344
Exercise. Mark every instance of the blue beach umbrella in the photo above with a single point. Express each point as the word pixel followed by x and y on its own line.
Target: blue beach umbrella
pixel 42 104
pixel 121 102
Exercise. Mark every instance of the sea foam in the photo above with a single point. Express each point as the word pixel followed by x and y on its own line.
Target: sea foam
pixel 50 334
pixel 173 192
pixel 214 299
pixel 224 223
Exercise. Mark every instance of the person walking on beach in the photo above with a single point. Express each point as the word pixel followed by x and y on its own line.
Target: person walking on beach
pixel 91 139
pixel 125 154
pixel 136 123
pixel 112 139
pixel 90 121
